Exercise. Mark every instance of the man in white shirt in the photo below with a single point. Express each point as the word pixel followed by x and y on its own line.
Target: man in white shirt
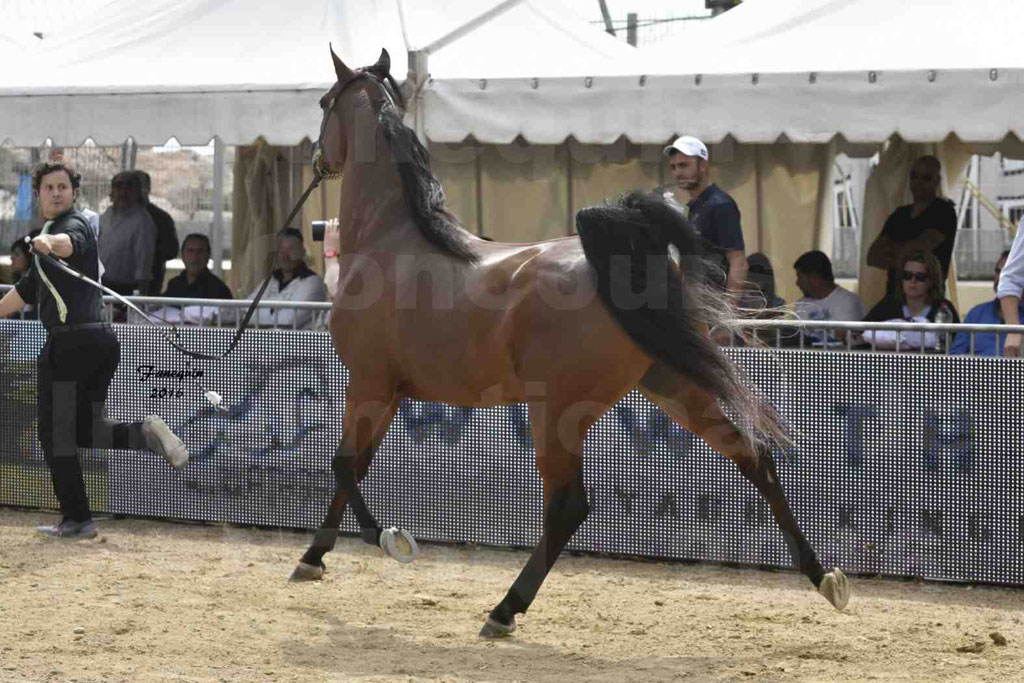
pixel 292 281
pixel 1011 282
pixel 823 299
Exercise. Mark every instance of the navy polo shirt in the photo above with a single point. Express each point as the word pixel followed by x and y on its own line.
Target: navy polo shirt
pixel 716 218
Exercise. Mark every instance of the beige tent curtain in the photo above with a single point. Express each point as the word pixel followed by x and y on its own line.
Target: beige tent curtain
pixel 524 193
pixel 261 195
pixel 528 193
pixel 601 172
pixel 888 187
pixel 457 167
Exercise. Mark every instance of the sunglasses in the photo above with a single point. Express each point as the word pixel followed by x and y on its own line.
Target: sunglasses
pixel 909 275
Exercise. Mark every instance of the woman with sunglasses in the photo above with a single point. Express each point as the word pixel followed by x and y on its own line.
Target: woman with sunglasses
pixel 919 299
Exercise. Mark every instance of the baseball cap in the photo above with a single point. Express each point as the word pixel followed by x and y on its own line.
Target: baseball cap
pixel 688 145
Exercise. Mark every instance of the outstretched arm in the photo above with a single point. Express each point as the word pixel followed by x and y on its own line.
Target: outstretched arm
pixel 60 245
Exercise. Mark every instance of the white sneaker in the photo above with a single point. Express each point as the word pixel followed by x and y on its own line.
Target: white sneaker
pixel 70 530
pixel 162 441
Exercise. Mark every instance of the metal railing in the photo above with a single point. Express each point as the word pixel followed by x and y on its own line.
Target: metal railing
pixel 778 333
pixel 215 312
pixel 797 334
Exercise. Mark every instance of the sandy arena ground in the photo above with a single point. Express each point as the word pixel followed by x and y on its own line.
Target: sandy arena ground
pixel 152 601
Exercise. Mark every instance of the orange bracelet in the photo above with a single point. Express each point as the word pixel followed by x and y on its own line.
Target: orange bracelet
pixel 331 254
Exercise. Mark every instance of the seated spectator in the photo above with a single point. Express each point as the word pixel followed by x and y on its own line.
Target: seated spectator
pixel 927 224
pixel 166 236
pixel 760 292
pixel 988 313
pixel 21 262
pixel 196 281
pixel 292 281
pixel 823 299
pixel 127 237
pixel 921 299
pixel 759 300
pixel 21 259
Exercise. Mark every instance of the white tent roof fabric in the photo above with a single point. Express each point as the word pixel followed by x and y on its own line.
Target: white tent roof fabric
pixel 244 68
pixel 799 70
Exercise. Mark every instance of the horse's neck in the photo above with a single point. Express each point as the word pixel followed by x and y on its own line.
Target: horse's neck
pixel 372 201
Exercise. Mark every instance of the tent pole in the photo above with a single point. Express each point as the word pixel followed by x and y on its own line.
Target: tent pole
pixel 607 17
pixel 470 26
pixel 419 72
pixel 218 206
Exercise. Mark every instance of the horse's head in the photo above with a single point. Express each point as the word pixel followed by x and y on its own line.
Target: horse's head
pixel 349 111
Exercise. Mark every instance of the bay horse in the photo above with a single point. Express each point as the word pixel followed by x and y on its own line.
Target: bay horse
pixel 553 324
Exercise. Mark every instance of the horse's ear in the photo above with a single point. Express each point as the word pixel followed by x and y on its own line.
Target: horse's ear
pixel 383 64
pixel 343 72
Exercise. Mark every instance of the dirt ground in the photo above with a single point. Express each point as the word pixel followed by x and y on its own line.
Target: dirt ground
pixel 154 601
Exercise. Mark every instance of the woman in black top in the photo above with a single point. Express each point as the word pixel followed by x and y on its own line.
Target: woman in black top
pixel 920 298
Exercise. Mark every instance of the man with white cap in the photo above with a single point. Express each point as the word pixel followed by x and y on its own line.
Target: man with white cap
pixel 713 213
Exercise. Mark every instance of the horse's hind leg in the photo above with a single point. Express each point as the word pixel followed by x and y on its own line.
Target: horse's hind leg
pixel 365 424
pixel 698 411
pixel 560 462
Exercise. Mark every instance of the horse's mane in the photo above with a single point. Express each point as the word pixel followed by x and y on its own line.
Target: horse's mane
pixel 424 196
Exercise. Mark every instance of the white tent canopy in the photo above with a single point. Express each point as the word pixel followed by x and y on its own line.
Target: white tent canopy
pixel 800 70
pixel 240 69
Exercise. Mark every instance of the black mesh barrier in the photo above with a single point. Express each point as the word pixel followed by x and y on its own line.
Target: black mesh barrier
pixel 904 464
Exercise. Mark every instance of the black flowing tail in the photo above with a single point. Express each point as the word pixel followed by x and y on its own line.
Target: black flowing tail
pixel 667 309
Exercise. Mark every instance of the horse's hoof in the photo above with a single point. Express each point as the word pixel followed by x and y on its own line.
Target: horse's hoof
pixel 495 629
pixel 307 572
pixel 399 544
pixel 836 588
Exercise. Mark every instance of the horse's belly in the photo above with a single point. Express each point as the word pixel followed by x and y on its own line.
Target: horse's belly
pixel 461 384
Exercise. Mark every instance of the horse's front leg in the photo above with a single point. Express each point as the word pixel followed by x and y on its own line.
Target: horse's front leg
pixel 365 423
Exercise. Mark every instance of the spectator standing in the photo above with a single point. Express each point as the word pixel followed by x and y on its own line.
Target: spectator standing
pixel 127 237
pixel 292 281
pixel 927 224
pixel 196 281
pixel 79 358
pixel 988 313
pixel 166 236
pixel 712 212
pixel 822 298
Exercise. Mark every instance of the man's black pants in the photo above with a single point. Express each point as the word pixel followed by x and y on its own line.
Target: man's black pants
pixel 75 369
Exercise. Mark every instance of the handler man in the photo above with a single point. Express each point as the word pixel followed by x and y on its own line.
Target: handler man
pixel 80 355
